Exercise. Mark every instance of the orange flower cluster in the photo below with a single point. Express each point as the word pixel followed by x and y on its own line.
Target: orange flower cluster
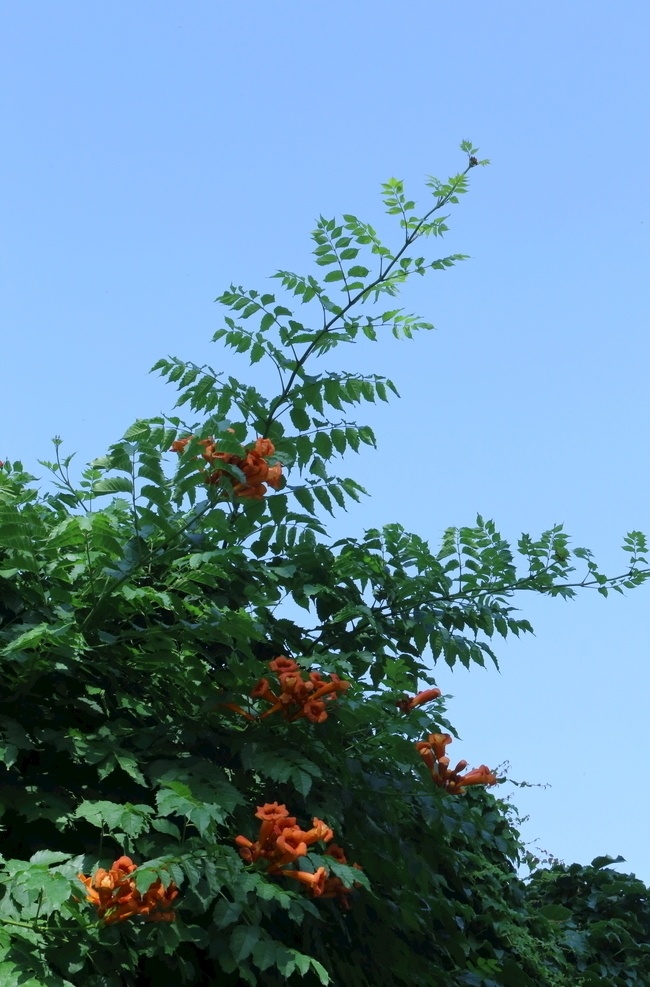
pixel 253 465
pixel 409 703
pixel 434 756
pixel 296 696
pixel 116 898
pixel 281 842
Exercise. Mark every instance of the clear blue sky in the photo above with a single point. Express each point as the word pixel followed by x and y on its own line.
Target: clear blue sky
pixel 155 152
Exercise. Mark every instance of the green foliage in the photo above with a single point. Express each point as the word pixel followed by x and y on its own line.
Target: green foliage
pixel 601 920
pixel 139 607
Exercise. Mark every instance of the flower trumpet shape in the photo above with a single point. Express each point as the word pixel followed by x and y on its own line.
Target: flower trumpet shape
pixel 264 447
pixel 313 710
pixel 409 703
pixel 319 831
pixel 291 842
pixel 263 691
pixel 432 752
pixel 271 812
pixel 298 696
pixel 116 898
pixel 281 842
pixel 248 851
pixel 283 664
pixel 315 882
pixel 257 472
pixel 479 776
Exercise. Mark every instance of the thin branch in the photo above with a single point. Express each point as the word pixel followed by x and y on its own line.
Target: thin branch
pixel 360 296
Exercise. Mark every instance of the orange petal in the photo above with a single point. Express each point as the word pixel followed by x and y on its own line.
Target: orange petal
pixel 438 742
pixel 124 864
pixel 264 447
pixel 255 469
pixel 178 445
pixel 315 712
pixel 284 664
pixel 274 476
pixel 319 831
pixel 292 841
pixel 263 691
pixel 271 811
pixel 315 881
pixel 424 697
pixel 479 776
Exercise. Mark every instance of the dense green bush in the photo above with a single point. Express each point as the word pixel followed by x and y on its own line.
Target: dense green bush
pixel 134 629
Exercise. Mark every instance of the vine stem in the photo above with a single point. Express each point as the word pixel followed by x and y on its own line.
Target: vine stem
pixel 365 292
pixel 48 928
pixel 527 583
pixel 521 585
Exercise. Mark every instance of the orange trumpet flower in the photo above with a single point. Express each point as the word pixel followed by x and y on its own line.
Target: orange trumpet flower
pixel 479 776
pixel 271 812
pixel 116 898
pixel 253 465
pixel 263 691
pixel 274 476
pixel 319 831
pixel 291 841
pixel 313 710
pixel 282 664
pixel 409 703
pixel 264 447
pixel 315 882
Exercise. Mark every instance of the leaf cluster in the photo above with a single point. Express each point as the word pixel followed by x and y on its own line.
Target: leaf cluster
pixel 139 607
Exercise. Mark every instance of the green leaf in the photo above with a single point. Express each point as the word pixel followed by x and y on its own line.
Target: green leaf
pixel 300 418
pixel 48 857
pixel 324 499
pixel 323 444
pixel 304 498
pixel 367 435
pixel 256 353
pixel 320 971
pixel 557 913
pixel 242 941
pixel 606 861
pixel 167 827
pixel 112 485
pixel 226 912
pixel 130 766
pixel 352 436
pixel 511 975
pixel 264 953
pixel 339 440
pixel 332 391
pixel 302 781
pixel 277 506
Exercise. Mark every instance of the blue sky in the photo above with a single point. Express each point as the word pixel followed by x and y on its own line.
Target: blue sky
pixel 155 152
